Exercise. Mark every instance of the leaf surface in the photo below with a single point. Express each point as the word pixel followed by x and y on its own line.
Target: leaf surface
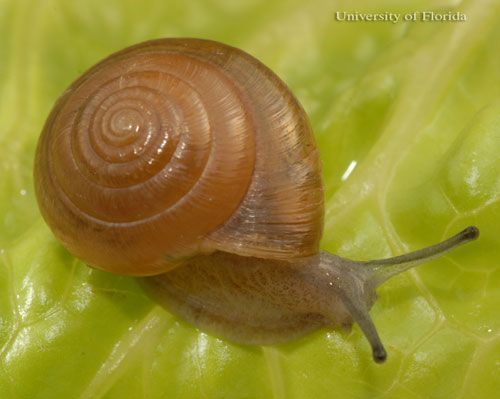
pixel 407 118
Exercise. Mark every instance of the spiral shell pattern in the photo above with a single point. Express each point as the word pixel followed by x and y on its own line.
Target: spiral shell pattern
pixel 176 147
pixel 142 156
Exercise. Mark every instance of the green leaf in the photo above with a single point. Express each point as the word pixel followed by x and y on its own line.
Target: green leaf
pixel 407 118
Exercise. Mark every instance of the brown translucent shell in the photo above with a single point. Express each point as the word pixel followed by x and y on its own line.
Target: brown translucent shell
pixel 176 147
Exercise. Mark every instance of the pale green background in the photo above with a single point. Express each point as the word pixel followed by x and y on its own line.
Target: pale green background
pixel 415 105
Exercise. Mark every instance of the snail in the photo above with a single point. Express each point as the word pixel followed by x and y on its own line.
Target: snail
pixel 191 164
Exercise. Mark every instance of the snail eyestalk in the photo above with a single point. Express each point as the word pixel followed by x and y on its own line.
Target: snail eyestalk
pixel 356 288
pixel 360 314
pixel 383 269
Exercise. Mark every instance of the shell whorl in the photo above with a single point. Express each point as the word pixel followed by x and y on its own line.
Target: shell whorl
pixel 148 155
pixel 133 151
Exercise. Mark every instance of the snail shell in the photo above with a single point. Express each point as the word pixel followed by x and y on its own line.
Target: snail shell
pixel 175 147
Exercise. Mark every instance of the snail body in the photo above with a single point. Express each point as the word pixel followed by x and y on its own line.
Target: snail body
pixel 190 161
